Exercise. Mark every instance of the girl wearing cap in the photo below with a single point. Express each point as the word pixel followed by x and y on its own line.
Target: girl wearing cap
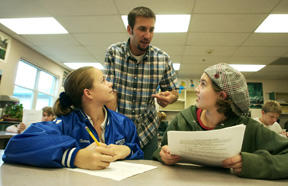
pixel 223 101
pixel 65 142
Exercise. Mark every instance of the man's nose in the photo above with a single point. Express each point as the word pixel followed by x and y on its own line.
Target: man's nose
pixel 148 34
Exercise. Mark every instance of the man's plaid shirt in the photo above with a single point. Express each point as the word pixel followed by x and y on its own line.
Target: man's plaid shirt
pixel 136 82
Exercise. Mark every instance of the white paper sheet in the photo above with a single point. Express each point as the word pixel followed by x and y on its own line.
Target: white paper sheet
pixel 31 116
pixel 207 147
pixel 118 170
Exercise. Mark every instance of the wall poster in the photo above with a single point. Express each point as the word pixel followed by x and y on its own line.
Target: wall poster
pixel 3 47
pixel 255 94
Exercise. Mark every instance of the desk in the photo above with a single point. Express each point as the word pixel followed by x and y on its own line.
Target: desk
pixel 180 175
pixel 4 138
pixel 5 124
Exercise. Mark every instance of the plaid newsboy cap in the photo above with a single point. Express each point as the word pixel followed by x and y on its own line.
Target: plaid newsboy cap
pixel 233 83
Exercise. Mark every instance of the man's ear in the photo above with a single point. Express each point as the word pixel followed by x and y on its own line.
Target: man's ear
pixel 223 95
pixel 129 30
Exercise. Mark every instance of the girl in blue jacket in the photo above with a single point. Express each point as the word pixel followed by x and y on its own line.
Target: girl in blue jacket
pixel 65 142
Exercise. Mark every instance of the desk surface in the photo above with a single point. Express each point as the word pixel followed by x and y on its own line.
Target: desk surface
pixel 18 175
pixel 6 135
pixel 5 124
pixel 4 138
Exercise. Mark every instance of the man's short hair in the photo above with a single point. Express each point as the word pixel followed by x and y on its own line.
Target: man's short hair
pixel 141 12
pixel 272 106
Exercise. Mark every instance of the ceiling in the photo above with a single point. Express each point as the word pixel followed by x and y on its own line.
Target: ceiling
pixel 219 31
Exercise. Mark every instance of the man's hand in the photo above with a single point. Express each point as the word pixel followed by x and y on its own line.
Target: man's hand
pixel 168 158
pixel 165 98
pixel 234 163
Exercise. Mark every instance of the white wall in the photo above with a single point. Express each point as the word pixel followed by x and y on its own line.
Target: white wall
pixel 17 51
pixel 268 85
pixel 274 86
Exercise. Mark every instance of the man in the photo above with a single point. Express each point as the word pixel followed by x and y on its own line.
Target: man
pixel 136 69
pixel 271 111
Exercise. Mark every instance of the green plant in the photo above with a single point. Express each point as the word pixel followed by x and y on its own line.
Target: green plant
pixel 14 111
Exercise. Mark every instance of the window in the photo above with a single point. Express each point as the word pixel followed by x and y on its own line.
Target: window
pixel 34 87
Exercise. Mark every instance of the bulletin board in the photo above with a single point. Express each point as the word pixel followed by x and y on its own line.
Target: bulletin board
pixel 255 94
pixel 4 43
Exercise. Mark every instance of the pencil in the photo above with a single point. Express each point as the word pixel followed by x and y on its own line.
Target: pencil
pixel 93 137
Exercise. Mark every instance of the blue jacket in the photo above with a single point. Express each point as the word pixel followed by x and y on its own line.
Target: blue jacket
pixel 55 143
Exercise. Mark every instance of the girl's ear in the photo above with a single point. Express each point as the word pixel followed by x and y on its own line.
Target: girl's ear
pixel 223 95
pixel 86 93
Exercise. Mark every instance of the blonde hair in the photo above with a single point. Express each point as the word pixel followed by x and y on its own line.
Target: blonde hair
pixel 74 85
pixel 48 110
pixel 272 106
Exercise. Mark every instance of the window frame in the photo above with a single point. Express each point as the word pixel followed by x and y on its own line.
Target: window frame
pixel 35 90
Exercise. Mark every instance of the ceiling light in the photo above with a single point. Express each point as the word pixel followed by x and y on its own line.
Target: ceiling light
pixel 39 25
pixel 76 65
pixel 274 23
pixel 247 68
pixel 176 66
pixel 168 23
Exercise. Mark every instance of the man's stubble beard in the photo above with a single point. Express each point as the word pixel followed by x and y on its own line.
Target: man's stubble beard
pixel 142 49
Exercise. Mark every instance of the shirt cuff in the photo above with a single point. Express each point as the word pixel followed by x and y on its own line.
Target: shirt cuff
pixel 69 157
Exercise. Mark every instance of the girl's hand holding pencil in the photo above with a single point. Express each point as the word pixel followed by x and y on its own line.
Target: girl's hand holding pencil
pixel 98 155
pixel 94 157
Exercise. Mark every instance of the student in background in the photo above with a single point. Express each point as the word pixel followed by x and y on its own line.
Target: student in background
pixel 65 142
pixel 162 124
pixel 223 101
pixel 162 116
pixel 47 115
pixel 271 111
pixel 286 126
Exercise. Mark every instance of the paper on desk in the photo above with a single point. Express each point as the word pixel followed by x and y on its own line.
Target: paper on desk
pixel 31 116
pixel 118 170
pixel 207 147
